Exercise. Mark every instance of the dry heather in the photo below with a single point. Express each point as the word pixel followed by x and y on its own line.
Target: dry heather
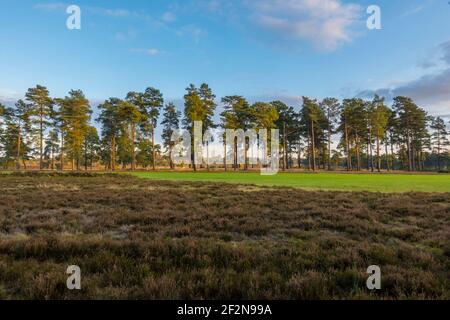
pixel 140 239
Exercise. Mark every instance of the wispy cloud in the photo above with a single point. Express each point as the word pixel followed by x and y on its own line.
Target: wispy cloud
pixel 9 97
pixel 325 23
pixel 56 6
pixel 109 12
pixel 414 10
pixel 169 17
pixel 432 90
pixel 165 21
pixel 149 52
pixel 417 9
pixel 113 12
pixel 125 35
pixel 439 56
pixel 193 31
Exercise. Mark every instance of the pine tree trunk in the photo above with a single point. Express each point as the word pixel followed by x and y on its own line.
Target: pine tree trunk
pixel 299 156
pixel 378 155
pixel 369 151
pixel 235 155
pixel 62 151
pixel 309 152
pixel 170 157
pixel 392 151
pixel 41 138
pixel 408 145
pixel 324 156
pixel 153 147
pixel 224 152
pixel 207 155
pixel 85 156
pixel 113 153
pixel 347 147
pixel 194 166
pixel 329 149
pixel 133 152
pixel 18 147
pixel 358 159
pixel 287 148
pixel 284 148
pixel 313 143
pixel 53 158
pixel 386 151
pixel 439 152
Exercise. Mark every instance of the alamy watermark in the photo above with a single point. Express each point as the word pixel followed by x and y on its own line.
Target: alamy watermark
pixel 374 20
pixel 73 22
pixel 74 279
pixel 374 280
pixel 190 148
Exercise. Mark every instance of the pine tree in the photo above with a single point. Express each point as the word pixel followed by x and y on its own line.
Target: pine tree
pixel 91 147
pixel 265 116
pixel 287 123
pixel 110 123
pixel 439 137
pixel 314 122
pixel 75 113
pixel 130 115
pixel 41 105
pixel 153 101
pixel 52 147
pixel 412 122
pixel 237 114
pixel 331 108
pixel 20 118
pixel 17 128
pixel 171 123
pixel 199 105
pixel 379 120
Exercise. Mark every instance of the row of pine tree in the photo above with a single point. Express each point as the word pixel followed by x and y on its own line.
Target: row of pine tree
pixel 353 134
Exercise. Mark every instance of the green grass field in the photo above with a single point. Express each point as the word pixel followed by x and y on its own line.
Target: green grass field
pixel 320 181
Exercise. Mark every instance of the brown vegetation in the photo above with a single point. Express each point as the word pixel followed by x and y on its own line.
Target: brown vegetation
pixel 140 239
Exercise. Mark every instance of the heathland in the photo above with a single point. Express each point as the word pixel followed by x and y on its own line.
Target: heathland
pixel 141 238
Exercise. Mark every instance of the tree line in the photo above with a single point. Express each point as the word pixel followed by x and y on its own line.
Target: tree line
pixel 352 134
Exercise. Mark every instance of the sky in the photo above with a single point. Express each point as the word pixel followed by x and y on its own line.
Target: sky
pixel 261 49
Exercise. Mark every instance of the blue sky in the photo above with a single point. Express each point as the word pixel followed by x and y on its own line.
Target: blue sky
pixel 262 49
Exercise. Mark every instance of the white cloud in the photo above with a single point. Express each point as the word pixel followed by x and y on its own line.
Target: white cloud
pixel 195 32
pixel 168 17
pixel 149 52
pixel 9 97
pixel 56 6
pixel 117 12
pixel 125 35
pixel 325 23
pixel 418 8
pixel 414 10
pixel 114 13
